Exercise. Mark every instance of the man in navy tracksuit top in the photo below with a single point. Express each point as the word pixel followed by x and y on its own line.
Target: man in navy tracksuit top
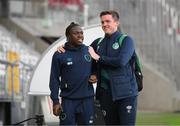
pixel 116 87
pixel 70 72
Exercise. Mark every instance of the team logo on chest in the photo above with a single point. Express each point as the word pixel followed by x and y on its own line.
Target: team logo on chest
pixel 115 45
pixel 87 57
pixel 69 61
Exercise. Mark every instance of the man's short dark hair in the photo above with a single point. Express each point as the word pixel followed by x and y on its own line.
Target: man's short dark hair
pixel 114 14
pixel 68 29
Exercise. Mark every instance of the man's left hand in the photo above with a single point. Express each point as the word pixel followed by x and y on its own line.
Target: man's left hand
pixel 93 79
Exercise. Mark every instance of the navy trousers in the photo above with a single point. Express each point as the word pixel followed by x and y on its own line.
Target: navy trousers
pixel 120 112
pixel 77 112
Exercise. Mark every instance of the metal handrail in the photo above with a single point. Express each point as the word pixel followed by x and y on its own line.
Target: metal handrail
pixel 39 120
pixel 9 63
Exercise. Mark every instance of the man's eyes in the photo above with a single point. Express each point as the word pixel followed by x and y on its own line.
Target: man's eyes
pixel 77 33
pixel 105 22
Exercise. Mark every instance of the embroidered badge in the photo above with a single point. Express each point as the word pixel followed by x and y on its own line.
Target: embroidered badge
pixel 69 61
pixel 115 45
pixel 63 116
pixel 129 107
pixel 87 57
pixel 104 112
pixel 91 120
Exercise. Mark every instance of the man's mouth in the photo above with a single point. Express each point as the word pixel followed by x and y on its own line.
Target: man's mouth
pixel 80 40
pixel 106 28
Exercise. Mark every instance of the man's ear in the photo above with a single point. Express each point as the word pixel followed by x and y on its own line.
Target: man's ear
pixel 67 39
pixel 118 23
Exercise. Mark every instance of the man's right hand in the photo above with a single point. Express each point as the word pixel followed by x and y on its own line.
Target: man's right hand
pixel 61 49
pixel 57 109
pixel 93 54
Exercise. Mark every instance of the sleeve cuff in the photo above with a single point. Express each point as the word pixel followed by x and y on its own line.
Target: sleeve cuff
pixel 55 102
pixel 101 59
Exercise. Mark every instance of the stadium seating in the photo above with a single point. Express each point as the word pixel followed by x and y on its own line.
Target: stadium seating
pixel 16 64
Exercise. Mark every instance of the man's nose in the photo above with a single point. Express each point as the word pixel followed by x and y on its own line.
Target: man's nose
pixel 80 34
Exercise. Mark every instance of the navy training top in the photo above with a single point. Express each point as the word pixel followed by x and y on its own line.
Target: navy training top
pixel 70 72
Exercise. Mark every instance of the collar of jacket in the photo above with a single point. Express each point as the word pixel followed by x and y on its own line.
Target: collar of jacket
pixel 117 33
pixel 68 46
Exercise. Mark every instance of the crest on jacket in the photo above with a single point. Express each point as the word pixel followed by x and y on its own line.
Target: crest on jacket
pixel 87 57
pixel 115 45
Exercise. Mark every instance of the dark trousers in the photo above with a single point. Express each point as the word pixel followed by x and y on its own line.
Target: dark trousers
pixel 120 112
pixel 77 112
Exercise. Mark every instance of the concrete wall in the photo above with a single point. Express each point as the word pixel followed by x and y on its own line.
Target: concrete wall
pixel 158 93
pixel 38 44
